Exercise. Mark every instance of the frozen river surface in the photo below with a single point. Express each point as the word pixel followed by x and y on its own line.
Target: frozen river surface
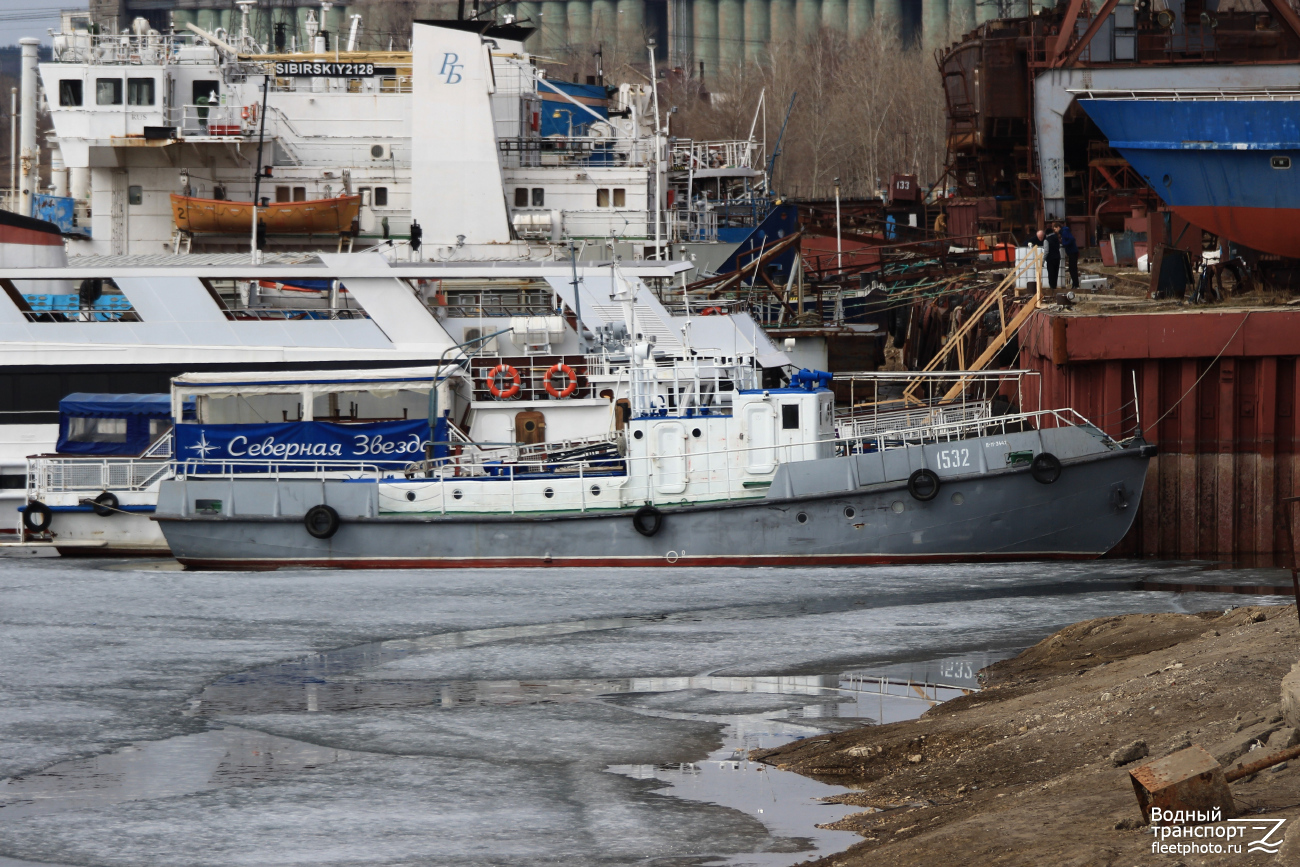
pixel 157 717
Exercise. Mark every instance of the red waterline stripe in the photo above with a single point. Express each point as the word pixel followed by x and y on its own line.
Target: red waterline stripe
pixel 693 560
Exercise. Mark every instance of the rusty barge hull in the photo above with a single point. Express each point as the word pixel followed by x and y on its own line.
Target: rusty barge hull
pixel 1216 391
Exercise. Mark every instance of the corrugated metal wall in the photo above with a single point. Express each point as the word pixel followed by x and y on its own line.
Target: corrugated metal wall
pixel 1226 428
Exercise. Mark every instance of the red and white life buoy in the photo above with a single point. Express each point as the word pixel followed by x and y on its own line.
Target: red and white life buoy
pixel 511 377
pixel 570 377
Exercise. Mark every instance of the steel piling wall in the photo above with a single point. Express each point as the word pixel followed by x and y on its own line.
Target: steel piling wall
pixel 1226 428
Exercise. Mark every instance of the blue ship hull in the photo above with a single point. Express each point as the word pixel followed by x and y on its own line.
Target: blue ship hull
pixel 1230 166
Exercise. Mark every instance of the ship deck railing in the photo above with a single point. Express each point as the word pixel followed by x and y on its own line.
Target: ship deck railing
pixel 1194 94
pixel 53 474
pixel 472 483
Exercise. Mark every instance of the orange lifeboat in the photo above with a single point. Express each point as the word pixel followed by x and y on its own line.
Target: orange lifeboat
pixel 218 216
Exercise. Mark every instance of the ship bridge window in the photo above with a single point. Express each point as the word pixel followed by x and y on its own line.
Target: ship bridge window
pixel 1280 162
pixel 521 197
pixel 108 91
pixel 139 91
pixel 789 416
pixel 618 199
pixel 381 197
pixel 202 89
pixel 70 91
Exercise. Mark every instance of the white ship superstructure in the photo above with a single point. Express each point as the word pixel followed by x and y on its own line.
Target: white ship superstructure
pixel 464 134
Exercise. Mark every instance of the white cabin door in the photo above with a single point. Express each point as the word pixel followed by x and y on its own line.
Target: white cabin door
pixel 669 441
pixel 760 437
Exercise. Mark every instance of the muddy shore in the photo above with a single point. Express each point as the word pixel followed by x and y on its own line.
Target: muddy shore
pixel 1026 771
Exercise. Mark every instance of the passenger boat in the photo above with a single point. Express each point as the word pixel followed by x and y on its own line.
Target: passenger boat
pixel 709 467
pixel 218 216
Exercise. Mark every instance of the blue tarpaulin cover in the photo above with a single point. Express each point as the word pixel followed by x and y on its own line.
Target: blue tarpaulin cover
pixel 136 410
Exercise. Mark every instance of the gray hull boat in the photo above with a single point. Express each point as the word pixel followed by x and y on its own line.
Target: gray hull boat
pixel 1002 489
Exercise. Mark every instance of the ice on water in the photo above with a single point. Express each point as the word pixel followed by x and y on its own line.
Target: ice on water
pixel 158 717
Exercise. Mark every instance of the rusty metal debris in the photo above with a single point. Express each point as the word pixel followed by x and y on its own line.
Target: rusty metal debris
pixel 1191 782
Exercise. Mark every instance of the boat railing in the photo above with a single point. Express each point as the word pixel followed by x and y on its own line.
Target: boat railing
pixel 77 474
pixel 697 155
pixel 692 225
pixel 599 151
pixel 911 418
pixel 218 121
pixel 588 477
pixel 128 49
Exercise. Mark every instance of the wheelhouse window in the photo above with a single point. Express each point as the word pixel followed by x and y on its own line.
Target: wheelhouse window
pixel 108 91
pixel 139 91
pixel 789 416
pixel 97 430
pixel 70 92
pixel 209 90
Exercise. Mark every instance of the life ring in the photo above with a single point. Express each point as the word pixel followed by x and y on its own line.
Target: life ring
pixel 570 376
pixel 1046 468
pixel 497 391
pixel 37 517
pixel 713 311
pixel 321 521
pixel 923 485
pixel 647 520
pixel 105 505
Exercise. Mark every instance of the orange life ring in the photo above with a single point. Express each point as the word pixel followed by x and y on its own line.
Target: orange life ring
pixel 497 391
pixel 713 311
pixel 572 377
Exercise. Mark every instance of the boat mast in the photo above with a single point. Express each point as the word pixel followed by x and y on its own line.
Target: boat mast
pixel 257 179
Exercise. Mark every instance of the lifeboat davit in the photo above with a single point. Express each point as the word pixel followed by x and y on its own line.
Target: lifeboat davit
pixel 218 216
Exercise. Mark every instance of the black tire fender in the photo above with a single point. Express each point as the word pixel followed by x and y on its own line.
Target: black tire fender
pixel 321 521
pixel 1046 468
pixel 37 517
pixel 923 485
pixel 647 520
pixel 105 505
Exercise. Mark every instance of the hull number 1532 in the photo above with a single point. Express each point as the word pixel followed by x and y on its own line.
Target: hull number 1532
pixel 951 459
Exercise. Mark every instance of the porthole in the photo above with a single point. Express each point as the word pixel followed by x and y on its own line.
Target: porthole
pixel 897 506
pixel 636 435
pixel 849 511
pixel 1168 180
pixel 595 490
pixel 802 517
pixel 1280 162
pixel 958 499
pixel 695 432
pixel 548 493
pixel 457 494
pixel 410 495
